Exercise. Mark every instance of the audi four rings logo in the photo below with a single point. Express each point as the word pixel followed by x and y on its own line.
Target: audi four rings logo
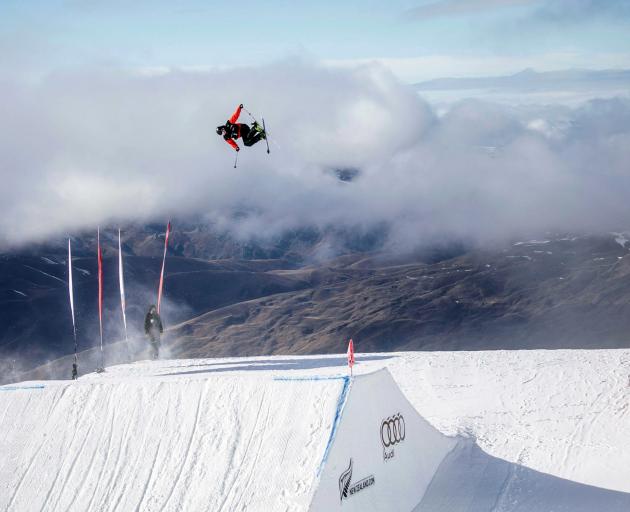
pixel 393 430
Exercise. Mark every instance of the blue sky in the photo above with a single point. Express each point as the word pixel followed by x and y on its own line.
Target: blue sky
pixel 416 39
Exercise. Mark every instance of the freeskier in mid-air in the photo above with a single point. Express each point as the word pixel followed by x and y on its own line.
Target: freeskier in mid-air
pixel 232 130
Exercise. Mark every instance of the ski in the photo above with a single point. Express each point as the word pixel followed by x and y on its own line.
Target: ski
pixel 265 131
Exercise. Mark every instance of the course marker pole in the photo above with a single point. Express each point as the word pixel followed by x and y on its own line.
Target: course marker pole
pixel 75 364
pixel 350 354
pixel 159 301
pixel 121 282
pixel 100 295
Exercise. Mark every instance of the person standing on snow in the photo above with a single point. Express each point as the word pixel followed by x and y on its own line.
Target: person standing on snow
pixel 153 329
pixel 232 130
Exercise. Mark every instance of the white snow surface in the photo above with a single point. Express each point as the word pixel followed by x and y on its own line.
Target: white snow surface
pixel 621 239
pixel 505 430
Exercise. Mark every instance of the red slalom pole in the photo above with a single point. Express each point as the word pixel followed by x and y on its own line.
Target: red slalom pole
pixel 100 294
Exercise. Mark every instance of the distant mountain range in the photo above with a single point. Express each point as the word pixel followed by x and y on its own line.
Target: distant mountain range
pixel 562 291
pixel 530 80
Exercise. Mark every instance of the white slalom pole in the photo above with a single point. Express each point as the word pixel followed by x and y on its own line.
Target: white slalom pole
pixel 159 301
pixel 75 365
pixel 121 281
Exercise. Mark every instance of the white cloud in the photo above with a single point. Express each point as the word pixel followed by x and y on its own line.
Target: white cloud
pixel 461 7
pixel 554 11
pixel 83 148
pixel 417 69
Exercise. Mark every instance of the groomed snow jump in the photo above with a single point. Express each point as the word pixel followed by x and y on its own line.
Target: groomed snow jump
pixel 251 434
pixel 209 442
pixel 383 455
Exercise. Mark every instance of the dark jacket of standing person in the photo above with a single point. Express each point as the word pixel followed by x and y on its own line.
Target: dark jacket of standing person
pixel 153 329
pixel 153 325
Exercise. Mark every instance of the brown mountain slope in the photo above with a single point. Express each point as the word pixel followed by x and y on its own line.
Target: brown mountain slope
pixel 556 293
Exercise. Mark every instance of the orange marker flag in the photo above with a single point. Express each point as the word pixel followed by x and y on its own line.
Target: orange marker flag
pixel 350 355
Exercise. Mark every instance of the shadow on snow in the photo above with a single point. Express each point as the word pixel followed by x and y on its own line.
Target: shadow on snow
pixel 255 365
pixel 469 479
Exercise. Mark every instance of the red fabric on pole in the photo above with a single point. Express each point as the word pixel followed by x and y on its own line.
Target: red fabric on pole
pixel 350 353
pixel 159 301
pixel 100 285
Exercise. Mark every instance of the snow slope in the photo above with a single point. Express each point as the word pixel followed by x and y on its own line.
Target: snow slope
pixel 563 412
pixel 213 443
pixel 278 433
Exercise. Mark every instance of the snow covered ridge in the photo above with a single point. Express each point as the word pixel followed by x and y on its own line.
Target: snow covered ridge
pixel 295 433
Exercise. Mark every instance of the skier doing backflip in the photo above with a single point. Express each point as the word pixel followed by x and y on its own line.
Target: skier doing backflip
pixel 153 329
pixel 233 130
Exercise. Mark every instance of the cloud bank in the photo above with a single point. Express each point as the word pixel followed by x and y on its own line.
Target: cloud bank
pixel 86 147
pixel 461 7
pixel 566 12
pixel 556 11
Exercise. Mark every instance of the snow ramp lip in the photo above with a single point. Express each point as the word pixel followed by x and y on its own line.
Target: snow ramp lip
pixel 21 388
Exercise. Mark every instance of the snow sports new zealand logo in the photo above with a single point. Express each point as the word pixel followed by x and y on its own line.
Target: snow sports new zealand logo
pixel 346 490
pixel 392 432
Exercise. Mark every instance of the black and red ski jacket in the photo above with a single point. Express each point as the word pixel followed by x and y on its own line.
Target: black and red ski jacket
pixel 233 129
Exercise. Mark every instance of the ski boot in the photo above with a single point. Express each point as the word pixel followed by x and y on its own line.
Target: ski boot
pixel 259 129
